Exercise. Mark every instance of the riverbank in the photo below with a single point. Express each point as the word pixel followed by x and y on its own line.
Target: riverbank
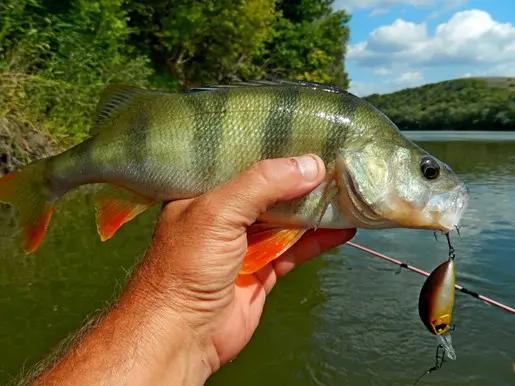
pixel 21 144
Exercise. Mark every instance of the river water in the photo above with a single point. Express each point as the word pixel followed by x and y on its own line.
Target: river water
pixel 345 318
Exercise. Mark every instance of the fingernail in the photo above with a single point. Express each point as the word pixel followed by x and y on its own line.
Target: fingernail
pixel 308 166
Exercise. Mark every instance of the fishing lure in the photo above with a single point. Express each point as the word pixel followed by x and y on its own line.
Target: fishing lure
pixel 436 302
pixel 435 306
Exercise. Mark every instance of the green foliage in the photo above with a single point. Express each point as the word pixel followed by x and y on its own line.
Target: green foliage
pixel 215 41
pixel 57 55
pixel 308 43
pixel 461 104
pixel 201 41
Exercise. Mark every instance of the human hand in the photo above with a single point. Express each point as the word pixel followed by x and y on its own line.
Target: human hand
pixel 187 311
pixel 199 246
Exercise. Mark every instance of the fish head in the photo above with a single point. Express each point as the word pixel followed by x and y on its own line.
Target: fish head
pixel 393 183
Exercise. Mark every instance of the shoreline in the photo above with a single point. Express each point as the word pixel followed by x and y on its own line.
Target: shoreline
pixel 21 144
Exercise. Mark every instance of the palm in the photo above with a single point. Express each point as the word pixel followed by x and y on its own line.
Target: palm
pixel 240 318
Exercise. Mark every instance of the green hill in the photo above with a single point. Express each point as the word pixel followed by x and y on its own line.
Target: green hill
pixel 486 103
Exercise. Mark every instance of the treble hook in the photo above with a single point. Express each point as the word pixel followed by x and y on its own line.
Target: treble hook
pixel 457 230
pixel 439 361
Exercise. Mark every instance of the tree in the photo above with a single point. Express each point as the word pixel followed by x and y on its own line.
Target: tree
pixel 202 42
pixel 309 42
pixel 199 41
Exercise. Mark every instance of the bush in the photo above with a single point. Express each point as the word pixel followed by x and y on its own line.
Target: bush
pixel 53 67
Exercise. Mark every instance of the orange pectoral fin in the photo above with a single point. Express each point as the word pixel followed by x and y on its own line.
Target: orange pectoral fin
pixel 266 243
pixel 115 207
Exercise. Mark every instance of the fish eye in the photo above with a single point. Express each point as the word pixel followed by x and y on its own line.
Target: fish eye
pixel 429 167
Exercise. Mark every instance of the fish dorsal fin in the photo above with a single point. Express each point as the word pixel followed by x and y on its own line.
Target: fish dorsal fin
pixel 271 83
pixel 117 98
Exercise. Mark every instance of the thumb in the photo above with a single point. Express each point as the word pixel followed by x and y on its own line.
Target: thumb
pixel 248 195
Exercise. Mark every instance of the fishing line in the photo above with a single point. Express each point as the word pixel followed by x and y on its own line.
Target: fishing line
pixel 439 361
pixel 424 273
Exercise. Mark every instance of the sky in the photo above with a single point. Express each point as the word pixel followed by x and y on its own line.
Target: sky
pixel 396 44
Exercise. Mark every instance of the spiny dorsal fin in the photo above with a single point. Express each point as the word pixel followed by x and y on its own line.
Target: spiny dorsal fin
pixel 117 98
pixel 270 83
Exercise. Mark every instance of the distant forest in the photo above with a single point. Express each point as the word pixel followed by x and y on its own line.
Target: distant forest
pixel 460 104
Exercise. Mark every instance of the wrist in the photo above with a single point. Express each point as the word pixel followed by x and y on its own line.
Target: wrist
pixel 137 342
pixel 177 353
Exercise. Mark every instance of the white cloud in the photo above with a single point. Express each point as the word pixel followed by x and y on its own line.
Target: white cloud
pixel 503 69
pixel 470 43
pixel 469 37
pixel 447 6
pixel 378 11
pixel 352 5
pixel 382 71
pixel 362 89
pixel 406 79
pixel 400 34
pixel 410 78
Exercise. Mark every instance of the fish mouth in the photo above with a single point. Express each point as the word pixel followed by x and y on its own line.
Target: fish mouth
pixel 452 214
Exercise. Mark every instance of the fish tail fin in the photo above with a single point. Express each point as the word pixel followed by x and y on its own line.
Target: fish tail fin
pixel 27 190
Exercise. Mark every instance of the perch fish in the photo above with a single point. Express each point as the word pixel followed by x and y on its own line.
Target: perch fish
pixel 151 146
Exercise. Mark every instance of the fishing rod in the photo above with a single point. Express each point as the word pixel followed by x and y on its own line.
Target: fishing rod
pixel 424 273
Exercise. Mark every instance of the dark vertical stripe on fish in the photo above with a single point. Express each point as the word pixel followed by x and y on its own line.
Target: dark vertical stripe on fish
pixel 136 144
pixel 342 122
pixel 278 125
pixel 209 110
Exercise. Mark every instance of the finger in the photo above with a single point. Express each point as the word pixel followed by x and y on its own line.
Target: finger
pixel 241 200
pixel 312 244
pixel 267 277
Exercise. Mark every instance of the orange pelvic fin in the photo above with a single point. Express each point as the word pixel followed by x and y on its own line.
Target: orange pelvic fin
pixel 266 243
pixel 116 206
pixel 28 191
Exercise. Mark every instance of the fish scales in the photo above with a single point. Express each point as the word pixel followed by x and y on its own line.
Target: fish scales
pixel 243 132
pixel 209 118
pixel 330 118
pixel 257 124
pixel 222 123
pixel 277 129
